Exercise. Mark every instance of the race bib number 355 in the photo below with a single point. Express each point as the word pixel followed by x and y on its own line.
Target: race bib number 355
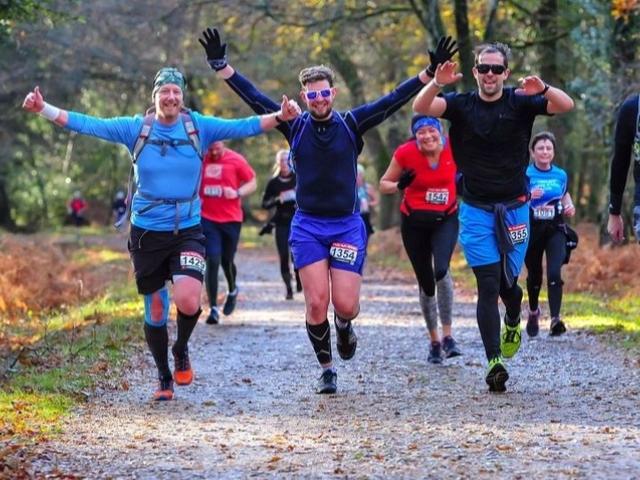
pixel 192 261
pixel 518 233
pixel 344 252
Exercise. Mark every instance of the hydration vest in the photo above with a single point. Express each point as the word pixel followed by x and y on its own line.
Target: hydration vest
pixel 142 140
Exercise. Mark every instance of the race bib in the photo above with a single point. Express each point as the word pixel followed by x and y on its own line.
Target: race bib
pixel 518 233
pixel 343 252
pixel 437 196
pixel 213 191
pixel 544 213
pixel 192 261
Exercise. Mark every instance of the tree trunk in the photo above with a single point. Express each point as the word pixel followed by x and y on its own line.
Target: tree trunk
pixel 6 221
pixel 464 43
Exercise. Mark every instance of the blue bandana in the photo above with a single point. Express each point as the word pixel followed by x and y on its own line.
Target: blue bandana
pixel 423 121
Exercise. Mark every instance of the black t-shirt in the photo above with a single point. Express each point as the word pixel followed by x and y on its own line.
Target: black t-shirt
pixel 284 210
pixel 490 142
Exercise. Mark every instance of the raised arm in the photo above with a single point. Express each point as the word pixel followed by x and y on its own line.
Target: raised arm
pixel 427 102
pixel 34 103
pixel 216 53
pixel 557 100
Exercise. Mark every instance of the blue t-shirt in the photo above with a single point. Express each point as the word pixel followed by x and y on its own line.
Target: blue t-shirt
pixel 553 183
pixel 170 175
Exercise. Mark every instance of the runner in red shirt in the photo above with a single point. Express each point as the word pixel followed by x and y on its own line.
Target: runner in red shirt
pixel 424 169
pixel 226 178
pixel 77 207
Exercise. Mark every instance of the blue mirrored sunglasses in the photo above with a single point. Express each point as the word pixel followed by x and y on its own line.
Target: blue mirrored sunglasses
pixel 313 94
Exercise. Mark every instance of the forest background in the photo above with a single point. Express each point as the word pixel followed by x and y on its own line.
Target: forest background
pixel 100 58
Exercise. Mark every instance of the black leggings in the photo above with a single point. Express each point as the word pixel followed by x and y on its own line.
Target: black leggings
pixel 429 248
pixel 545 238
pixel 222 242
pixel 282 244
pixel 491 285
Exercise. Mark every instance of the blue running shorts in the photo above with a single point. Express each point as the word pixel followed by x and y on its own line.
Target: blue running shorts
pixel 341 240
pixel 478 237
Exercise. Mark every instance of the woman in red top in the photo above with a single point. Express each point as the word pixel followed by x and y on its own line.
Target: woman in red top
pixel 226 178
pixel 423 168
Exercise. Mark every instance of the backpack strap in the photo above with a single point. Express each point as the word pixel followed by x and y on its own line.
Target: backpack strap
pixel 192 132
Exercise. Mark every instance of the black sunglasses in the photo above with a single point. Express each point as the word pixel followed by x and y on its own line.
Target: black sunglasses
pixel 485 67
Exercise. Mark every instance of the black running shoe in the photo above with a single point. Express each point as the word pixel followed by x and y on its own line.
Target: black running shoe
pixel 230 302
pixel 346 340
pixel 328 382
pixel 497 375
pixel 557 327
pixel 533 322
pixel 289 295
pixel 450 347
pixel 435 353
pixel 214 316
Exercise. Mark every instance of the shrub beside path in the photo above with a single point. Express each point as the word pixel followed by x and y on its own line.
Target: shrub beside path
pixel 571 410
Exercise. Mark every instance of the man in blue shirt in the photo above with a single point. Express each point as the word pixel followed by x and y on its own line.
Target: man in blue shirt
pixel 328 236
pixel 490 132
pixel 166 240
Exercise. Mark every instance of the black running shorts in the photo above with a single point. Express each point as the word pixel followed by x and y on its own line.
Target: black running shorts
pixel 158 256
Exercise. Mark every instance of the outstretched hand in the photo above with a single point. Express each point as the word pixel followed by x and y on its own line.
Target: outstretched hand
pixel 289 109
pixel 445 50
pixel 216 50
pixel 531 85
pixel 446 73
pixel 33 102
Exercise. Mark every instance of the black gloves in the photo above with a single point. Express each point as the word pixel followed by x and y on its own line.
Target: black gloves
pixel 266 229
pixel 216 51
pixel 445 49
pixel 406 178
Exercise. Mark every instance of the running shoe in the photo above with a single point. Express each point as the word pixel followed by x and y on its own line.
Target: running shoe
pixel 450 347
pixel 533 325
pixel 435 353
pixel 183 373
pixel 289 295
pixel 328 382
pixel 557 327
pixel 510 338
pixel 164 391
pixel 230 302
pixel 346 340
pixel 497 375
pixel 214 316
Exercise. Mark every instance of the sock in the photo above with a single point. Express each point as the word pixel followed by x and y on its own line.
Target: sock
pixel 158 342
pixel 186 324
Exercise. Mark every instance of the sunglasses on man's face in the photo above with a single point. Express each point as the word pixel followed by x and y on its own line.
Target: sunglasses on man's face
pixel 313 94
pixel 495 69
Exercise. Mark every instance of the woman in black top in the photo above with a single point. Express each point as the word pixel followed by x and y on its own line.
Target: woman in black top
pixel 281 194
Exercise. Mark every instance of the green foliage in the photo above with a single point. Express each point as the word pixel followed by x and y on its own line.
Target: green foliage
pixel 102 63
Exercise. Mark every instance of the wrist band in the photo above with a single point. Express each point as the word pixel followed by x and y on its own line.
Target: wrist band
pixel 278 119
pixel 49 112
pixel 545 89
pixel 439 85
